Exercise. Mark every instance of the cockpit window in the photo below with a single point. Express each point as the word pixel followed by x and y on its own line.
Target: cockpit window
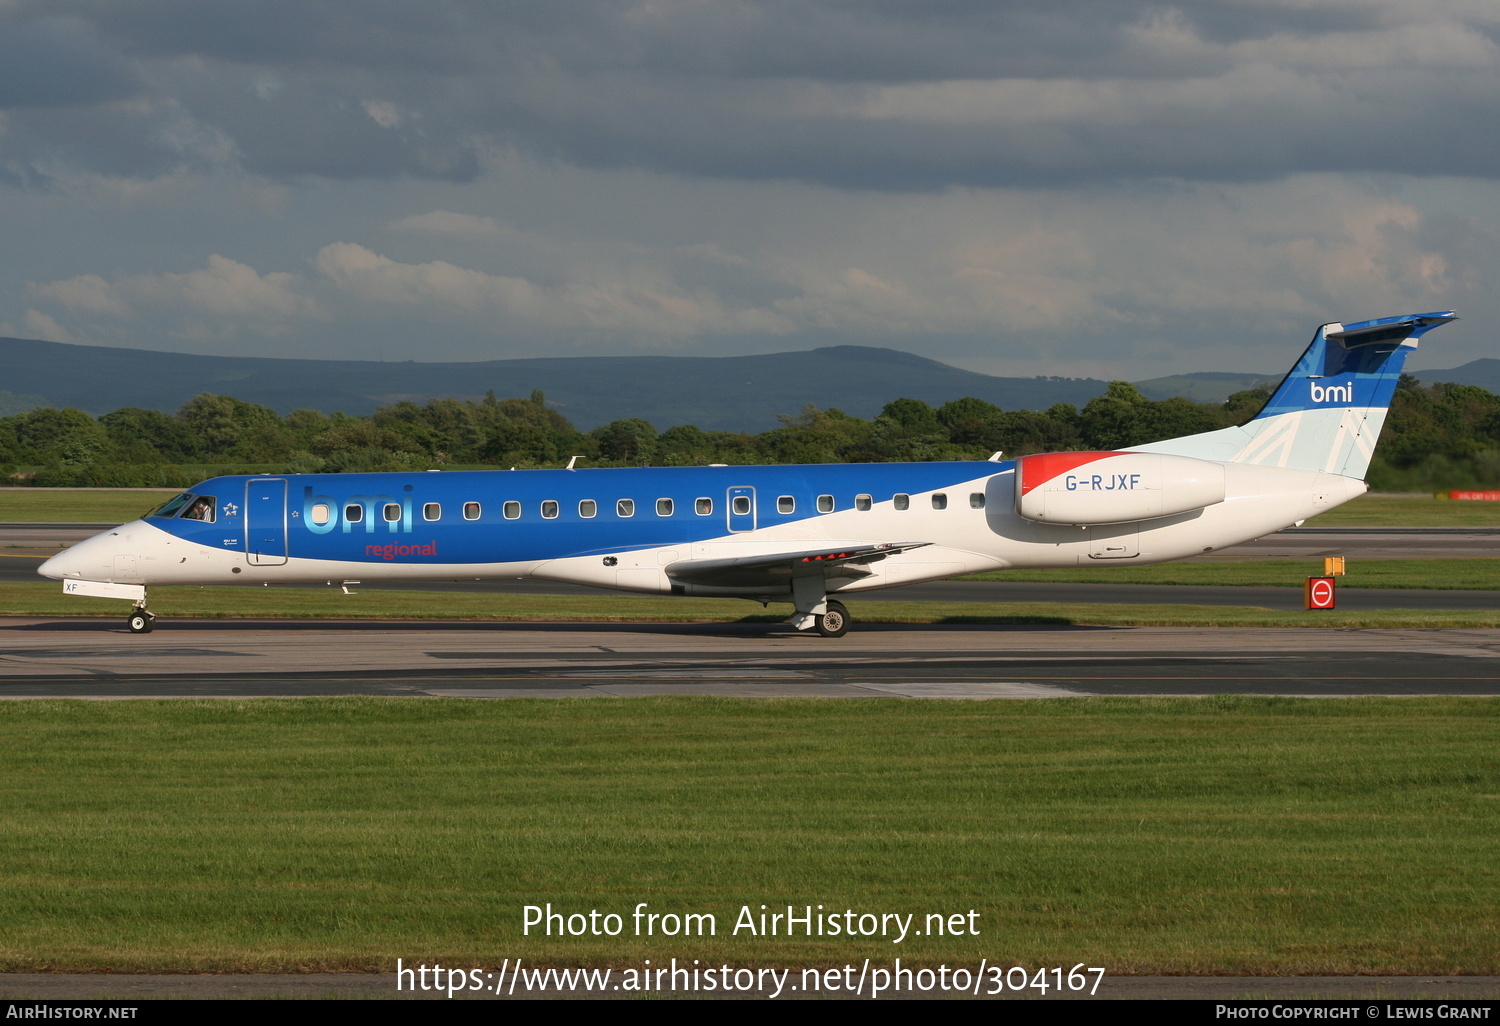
pixel 171 507
pixel 201 508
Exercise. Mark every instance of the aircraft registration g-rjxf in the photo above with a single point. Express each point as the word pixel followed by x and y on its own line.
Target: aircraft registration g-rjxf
pixel 798 534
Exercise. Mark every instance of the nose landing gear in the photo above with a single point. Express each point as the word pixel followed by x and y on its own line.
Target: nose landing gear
pixel 141 620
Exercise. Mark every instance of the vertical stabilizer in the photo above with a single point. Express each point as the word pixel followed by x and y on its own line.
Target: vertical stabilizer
pixel 1327 413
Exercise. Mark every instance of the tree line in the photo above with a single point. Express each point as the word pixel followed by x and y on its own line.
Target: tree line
pixel 1436 437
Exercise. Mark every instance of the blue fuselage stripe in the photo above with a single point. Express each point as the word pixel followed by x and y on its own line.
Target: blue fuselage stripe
pixel 393 508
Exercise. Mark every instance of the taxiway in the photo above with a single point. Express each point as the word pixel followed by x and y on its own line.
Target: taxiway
pixel 85 658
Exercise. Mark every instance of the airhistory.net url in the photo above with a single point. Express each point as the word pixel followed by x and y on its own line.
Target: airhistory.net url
pixel 682 977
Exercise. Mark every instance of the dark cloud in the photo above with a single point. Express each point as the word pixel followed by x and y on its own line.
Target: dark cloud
pixel 57 62
pixel 890 94
pixel 340 129
pixel 43 145
pixel 372 35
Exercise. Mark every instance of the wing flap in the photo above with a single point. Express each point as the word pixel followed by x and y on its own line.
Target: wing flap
pixel 781 567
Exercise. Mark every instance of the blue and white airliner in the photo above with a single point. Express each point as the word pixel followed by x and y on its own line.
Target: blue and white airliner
pixel 799 534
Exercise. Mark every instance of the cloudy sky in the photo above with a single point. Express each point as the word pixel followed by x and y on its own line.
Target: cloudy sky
pixel 1103 188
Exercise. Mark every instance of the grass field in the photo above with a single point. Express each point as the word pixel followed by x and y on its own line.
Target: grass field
pixel 85 505
pixel 78 505
pixel 1225 835
pixel 1410 511
pixel 47 599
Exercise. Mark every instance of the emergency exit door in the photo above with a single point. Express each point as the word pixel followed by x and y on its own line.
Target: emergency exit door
pixel 741 511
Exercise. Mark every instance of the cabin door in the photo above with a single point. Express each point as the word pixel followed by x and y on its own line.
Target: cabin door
pixel 265 521
pixel 740 503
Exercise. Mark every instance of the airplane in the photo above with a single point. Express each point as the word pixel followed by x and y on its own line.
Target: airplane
pixel 808 535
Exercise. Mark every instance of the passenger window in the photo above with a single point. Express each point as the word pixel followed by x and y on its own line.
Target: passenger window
pixel 664 507
pixel 587 508
pixel 625 508
pixel 549 509
pixel 354 513
pixel 432 511
pixel 862 502
pixel 939 500
pixel 741 505
pixel 392 512
pixel 471 511
pixel 321 512
pixel 703 507
pixel 511 510
pixel 901 501
pixel 201 509
pixel 786 504
pixel 976 500
pixel 825 504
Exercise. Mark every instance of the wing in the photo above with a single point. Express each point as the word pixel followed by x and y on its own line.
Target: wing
pixel 777 568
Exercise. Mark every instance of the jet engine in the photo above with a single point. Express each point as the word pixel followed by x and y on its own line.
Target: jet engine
pixel 1087 488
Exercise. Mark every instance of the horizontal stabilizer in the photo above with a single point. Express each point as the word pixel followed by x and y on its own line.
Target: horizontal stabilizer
pixel 1352 365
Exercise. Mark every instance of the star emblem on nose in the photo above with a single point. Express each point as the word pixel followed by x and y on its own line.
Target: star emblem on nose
pixel 230 509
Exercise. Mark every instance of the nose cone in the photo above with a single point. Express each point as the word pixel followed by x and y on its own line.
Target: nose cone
pixel 56 567
pixel 91 559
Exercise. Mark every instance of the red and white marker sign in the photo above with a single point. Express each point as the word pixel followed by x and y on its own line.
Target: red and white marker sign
pixel 1320 593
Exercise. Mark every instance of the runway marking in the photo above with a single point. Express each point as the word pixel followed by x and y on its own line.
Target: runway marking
pixel 680 674
pixel 996 689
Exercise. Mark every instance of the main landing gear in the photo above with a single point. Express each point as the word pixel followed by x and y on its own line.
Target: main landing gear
pixel 834 623
pixel 815 610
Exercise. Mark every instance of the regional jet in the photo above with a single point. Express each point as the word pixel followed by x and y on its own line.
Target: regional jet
pixel 806 535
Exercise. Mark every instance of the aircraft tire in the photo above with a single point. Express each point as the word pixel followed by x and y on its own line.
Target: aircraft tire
pixel 141 622
pixel 835 622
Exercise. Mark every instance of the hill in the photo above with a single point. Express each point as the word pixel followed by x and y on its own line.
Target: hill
pixel 1484 373
pixel 730 393
pixel 1204 386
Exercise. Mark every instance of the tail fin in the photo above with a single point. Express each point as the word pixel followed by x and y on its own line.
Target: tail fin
pixel 1327 413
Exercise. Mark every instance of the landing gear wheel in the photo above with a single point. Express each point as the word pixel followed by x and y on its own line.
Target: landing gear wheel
pixel 141 622
pixel 835 622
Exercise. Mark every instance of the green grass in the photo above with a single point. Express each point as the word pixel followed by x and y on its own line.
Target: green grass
pixel 82 505
pixel 78 505
pixel 1410 511
pixel 1463 574
pixel 44 599
pixel 1226 835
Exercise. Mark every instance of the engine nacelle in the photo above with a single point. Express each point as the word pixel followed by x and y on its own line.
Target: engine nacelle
pixel 1113 487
